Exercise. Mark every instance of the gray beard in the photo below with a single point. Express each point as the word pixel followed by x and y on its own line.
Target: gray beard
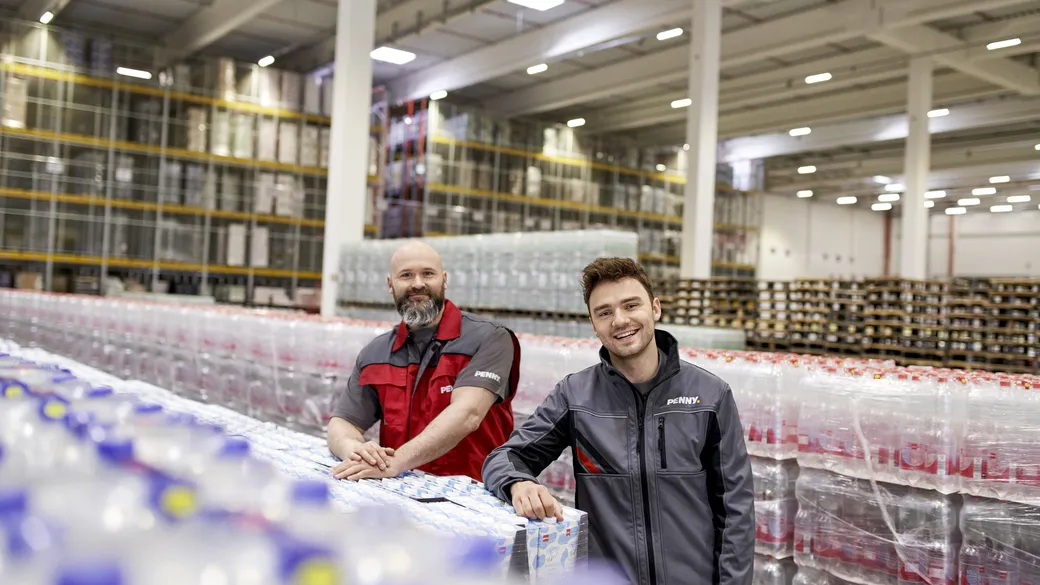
pixel 422 314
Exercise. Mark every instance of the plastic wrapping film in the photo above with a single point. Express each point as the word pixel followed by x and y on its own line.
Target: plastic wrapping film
pixel 775 506
pixel 1001 543
pixel 876 534
pixel 770 571
pixel 807 576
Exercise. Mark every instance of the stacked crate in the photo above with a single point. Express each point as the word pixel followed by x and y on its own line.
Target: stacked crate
pixel 905 320
pixel 731 303
pixel 994 324
pixel 844 335
pixel 966 317
pixel 810 315
pixel 769 332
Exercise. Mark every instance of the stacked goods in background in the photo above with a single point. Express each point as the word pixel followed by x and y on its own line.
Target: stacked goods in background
pixel 209 176
pixel 112 481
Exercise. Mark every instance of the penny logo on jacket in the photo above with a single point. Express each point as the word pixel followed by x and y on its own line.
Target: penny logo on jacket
pixel 684 400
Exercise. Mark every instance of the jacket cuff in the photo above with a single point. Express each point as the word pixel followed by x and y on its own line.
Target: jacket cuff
pixel 504 492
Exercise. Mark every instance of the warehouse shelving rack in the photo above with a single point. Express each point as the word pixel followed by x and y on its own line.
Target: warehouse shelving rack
pixel 101 175
pixel 454 171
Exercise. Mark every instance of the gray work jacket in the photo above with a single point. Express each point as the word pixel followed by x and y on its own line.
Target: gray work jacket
pixel 664 477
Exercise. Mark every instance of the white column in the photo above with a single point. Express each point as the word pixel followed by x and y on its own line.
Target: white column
pixel 348 150
pixel 913 256
pixel 702 129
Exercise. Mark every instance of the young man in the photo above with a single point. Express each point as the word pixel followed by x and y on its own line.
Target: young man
pixel 659 453
pixel 441 383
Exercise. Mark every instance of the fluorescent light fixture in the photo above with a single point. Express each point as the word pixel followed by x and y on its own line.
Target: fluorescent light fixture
pixel 995 45
pixel 847 200
pixel 576 122
pixel 804 131
pixel 818 78
pixel 881 207
pixel 956 211
pixel 888 197
pixel 133 73
pixel 669 34
pixel 1001 208
pixel 438 95
pixel 882 180
pixel 392 55
pixel 683 103
pixel 1019 199
pixel 268 60
pixel 805 194
pixel 806 170
pixel 1000 179
pixel 895 187
pixel 984 191
pixel 969 201
pixel 939 113
pixel 934 194
pixel 686 147
pixel 46 17
pixel 539 5
pixel 929 204
pixel 536 69
pixel 1037 147
pixel 661 168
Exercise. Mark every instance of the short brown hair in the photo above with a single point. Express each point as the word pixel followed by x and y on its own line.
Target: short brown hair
pixel 613 270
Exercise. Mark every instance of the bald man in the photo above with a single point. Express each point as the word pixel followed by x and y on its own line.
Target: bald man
pixel 441 383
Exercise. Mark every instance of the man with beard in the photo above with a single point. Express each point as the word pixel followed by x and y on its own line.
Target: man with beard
pixel 659 455
pixel 441 383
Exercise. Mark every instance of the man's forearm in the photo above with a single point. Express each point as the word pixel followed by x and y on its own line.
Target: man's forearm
pixel 343 437
pixel 440 436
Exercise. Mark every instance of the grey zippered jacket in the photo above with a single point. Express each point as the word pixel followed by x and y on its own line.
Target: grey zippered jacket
pixel 665 478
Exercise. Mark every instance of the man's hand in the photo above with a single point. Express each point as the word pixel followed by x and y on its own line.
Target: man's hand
pixel 534 501
pixel 355 470
pixel 371 453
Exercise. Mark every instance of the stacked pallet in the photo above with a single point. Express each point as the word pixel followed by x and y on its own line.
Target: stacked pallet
pixel 769 332
pixel 905 320
pixel 810 315
pixel 715 302
pixel 994 324
pixel 845 331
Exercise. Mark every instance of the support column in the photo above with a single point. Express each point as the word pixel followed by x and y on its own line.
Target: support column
pixel 913 258
pixel 348 150
pixel 702 130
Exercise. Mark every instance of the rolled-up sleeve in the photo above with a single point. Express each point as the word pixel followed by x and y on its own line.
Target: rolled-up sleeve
pixel 357 404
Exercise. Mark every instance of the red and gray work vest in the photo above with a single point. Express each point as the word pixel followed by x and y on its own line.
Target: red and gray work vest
pixel 412 393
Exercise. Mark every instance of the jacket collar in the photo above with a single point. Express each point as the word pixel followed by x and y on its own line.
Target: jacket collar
pixel 449 328
pixel 665 342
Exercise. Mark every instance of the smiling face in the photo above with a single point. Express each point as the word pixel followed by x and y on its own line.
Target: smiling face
pixel 623 316
pixel 417 282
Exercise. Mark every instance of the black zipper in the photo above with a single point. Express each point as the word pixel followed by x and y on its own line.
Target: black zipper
pixel 645 484
pixel 661 443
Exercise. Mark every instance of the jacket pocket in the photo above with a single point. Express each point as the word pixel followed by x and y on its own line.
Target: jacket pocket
pixel 608 501
pixel 691 532
pixel 681 436
pixel 391 383
pixel 601 442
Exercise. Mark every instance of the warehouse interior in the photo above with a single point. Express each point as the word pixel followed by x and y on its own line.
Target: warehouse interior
pixel 838 202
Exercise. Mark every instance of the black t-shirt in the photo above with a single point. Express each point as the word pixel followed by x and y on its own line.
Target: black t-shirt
pixel 645 387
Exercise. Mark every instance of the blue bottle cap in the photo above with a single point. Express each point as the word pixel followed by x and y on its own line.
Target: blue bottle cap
pixel 93 572
pixel 99 392
pixel 180 418
pixel 14 502
pixel 79 423
pixel 116 450
pixel 13 389
pixel 53 408
pixel 303 562
pixel 235 447
pixel 310 492
pixel 147 408
pixel 477 555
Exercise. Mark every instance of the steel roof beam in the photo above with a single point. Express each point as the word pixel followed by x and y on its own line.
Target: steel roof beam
pixel 211 23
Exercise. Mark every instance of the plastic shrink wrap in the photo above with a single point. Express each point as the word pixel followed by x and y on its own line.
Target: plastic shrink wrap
pixel 775 506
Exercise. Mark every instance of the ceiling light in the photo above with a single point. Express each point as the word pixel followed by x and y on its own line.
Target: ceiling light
pixel 800 131
pixel 881 207
pixel 847 200
pixel 882 180
pixel 391 55
pixel 984 191
pixel 929 204
pixel 536 69
pixel 1000 179
pixel 969 201
pixel 1004 44
pixel 683 103
pixel 1001 208
pixel 806 170
pixel 46 17
pixel 805 194
pixel 133 73
pixel 1019 199
pixel 576 122
pixel 1037 147
pixel 939 113
pixel 438 95
pixel 934 194
pixel 895 187
pixel 265 61
pixel 956 211
pixel 686 147
pixel 888 197
pixel 669 34
pixel 819 77
pixel 661 168
pixel 539 5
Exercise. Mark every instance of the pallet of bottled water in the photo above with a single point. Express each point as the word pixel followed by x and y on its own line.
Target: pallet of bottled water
pixel 128 484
